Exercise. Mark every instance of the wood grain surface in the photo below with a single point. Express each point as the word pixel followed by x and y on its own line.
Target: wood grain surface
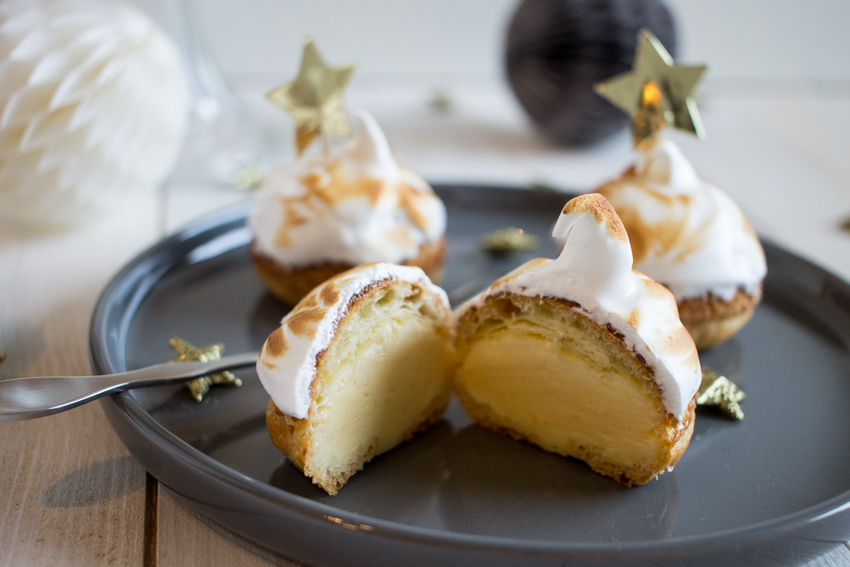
pixel 71 493
pixel 839 557
pixel 184 537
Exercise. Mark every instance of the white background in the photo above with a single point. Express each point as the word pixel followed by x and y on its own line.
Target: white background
pixel 740 39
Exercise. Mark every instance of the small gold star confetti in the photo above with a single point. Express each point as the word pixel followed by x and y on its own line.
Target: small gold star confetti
pixel 441 102
pixel 314 98
pixel 719 391
pixel 249 177
pixel 655 93
pixel 186 352
pixel 507 240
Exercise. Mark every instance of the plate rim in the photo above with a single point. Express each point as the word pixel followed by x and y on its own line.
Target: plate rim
pixel 126 406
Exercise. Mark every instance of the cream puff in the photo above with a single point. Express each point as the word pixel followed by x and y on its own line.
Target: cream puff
pixel 358 366
pixel 691 237
pixel 581 355
pixel 342 204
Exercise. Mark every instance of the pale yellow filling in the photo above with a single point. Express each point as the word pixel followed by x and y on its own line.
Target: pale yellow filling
pixel 566 396
pixel 392 365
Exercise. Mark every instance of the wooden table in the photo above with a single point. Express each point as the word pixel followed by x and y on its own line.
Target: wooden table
pixel 72 494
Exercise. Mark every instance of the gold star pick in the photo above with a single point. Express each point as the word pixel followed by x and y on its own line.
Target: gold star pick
pixel 314 98
pixel 185 352
pixel 719 391
pixel 655 93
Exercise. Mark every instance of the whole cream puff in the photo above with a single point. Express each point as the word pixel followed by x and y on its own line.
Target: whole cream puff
pixel 341 206
pixel 691 237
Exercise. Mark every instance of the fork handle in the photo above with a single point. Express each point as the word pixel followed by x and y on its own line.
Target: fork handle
pixel 26 398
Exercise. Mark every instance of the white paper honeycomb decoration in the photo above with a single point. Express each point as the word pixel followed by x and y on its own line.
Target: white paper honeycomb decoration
pixel 94 105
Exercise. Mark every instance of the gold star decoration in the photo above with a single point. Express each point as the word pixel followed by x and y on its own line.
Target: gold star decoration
pixel 2 356
pixel 719 391
pixel 314 98
pixel 655 93
pixel 186 352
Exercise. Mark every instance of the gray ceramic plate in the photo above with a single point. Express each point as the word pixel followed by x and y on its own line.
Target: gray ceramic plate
pixel 774 488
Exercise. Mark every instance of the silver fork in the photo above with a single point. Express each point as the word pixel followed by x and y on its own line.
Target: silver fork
pixel 26 398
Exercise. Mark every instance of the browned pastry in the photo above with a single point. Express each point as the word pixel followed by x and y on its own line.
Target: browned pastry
pixel 711 321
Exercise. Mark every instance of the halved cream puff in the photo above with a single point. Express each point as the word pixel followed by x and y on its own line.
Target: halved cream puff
pixel 581 355
pixel 357 367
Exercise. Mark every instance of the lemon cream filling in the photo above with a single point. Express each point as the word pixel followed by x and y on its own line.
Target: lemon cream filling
pixel 566 396
pixel 390 370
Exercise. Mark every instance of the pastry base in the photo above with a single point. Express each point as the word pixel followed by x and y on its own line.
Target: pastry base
pixel 292 284
pixel 499 401
pixel 712 321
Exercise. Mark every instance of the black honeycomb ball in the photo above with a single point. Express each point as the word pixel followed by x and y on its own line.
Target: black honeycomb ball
pixel 558 49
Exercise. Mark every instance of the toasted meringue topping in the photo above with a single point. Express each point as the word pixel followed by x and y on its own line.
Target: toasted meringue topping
pixel 287 362
pixel 685 233
pixel 594 269
pixel 351 204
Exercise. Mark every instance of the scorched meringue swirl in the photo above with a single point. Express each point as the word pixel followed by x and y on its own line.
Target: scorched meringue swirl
pixel 349 204
pixel 685 233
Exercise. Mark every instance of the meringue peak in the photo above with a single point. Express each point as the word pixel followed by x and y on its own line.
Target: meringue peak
pixel 665 167
pixel 596 252
pixel 370 143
